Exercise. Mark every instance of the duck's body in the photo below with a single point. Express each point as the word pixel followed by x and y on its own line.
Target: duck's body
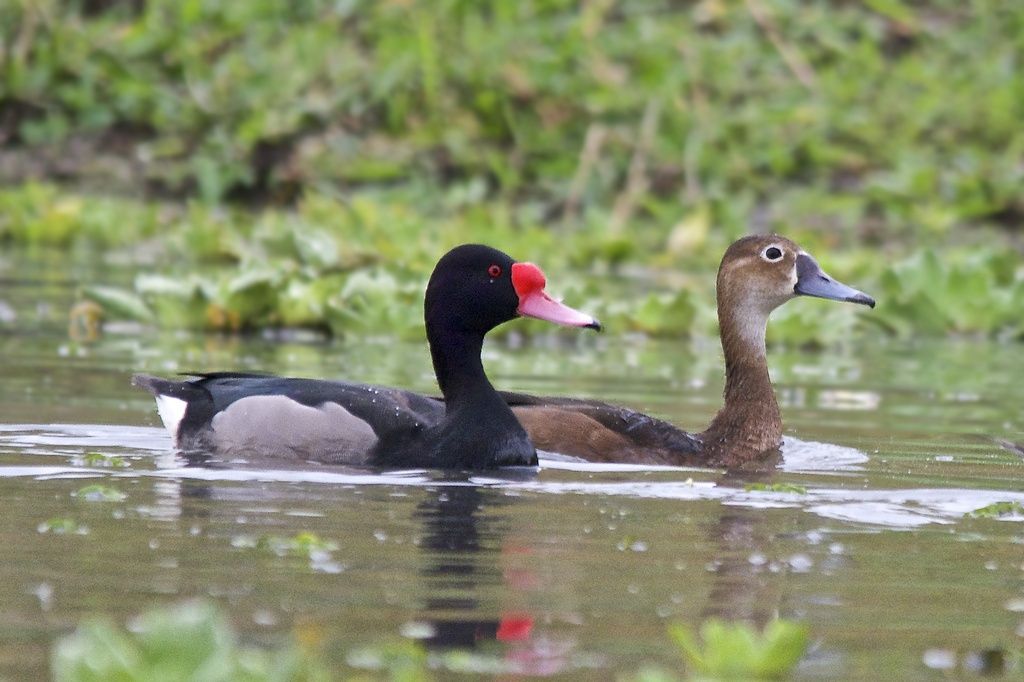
pixel 600 432
pixel 251 416
pixel 472 290
pixel 757 275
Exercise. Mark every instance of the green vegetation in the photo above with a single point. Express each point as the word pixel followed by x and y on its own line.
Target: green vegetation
pixel 997 510
pixel 359 266
pixel 98 459
pixel 776 488
pixel 62 526
pixel 737 105
pixel 737 651
pixel 304 544
pixel 193 641
pixel 977 293
pixel 407 661
pixel 100 493
pixel 317 552
pixel 610 138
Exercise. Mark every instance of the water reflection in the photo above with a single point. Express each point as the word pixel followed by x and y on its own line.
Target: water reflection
pixel 464 528
pixel 741 590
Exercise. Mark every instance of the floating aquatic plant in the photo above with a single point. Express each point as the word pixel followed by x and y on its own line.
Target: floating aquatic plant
pixel 997 510
pixel 98 459
pixel 100 493
pixel 302 544
pixel 193 641
pixel 776 488
pixel 738 651
pixel 60 525
pixel 305 545
pixel 410 662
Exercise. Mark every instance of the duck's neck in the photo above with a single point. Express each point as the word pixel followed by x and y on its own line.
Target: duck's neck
pixel 457 364
pixel 479 430
pixel 749 423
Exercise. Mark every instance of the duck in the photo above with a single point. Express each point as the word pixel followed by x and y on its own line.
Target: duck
pixel 271 419
pixel 757 274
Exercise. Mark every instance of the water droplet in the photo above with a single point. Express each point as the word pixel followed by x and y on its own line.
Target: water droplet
pixel 939 659
pixel 264 617
pixel 1016 604
pixel 416 629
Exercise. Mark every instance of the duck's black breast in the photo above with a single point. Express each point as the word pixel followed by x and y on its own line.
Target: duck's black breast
pixel 481 435
pixel 251 416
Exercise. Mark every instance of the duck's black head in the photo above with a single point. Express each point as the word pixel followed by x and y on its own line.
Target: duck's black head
pixel 474 288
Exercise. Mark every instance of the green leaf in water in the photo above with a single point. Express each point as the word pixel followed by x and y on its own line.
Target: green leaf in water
pixel 997 510
pixel 737 651
pixel 59 525
pixel 304 544
pixel 193 641
pixel 405 661
pixel 98 459
pixel 100 493
pixel 119 303
pixel 776 488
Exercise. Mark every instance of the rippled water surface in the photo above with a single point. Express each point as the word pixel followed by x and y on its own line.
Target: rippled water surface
pixel 576 569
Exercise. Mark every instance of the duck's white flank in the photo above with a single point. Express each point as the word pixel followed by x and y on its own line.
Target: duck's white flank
pixel 172 411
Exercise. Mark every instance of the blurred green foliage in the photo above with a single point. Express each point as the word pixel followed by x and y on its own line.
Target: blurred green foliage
pixel 193 641
pixel 776 488
pixel 304 545
pixel 976 293
pixel 875 116
pixel 98 492
pixel 736 651
pixel 997 510
pixel 621 144
pixel 359 266
pixel 60 525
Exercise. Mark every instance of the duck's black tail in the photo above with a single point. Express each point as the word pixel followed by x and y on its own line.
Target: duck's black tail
pixel 158 386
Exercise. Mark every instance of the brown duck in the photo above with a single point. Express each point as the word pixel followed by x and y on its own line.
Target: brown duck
pixel 757 275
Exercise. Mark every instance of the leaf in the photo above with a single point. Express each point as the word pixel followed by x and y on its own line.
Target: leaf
pixel 776 488
pixel 785 644
pixel 96 652
pixel 191 641
pixel 997 510
pixel 737 651
pixel 119 303
pixel 893 9
pixel 318 248
pixel 100 493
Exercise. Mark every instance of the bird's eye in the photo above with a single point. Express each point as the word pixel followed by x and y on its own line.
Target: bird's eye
pixel 494 271
pixel 772 254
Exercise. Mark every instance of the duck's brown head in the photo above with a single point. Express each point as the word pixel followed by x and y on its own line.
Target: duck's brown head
pixel 759 273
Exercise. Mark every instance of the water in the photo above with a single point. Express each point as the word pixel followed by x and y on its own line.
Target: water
pixel 576 570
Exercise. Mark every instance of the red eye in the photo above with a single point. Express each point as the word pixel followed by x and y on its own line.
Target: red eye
pixel 494 271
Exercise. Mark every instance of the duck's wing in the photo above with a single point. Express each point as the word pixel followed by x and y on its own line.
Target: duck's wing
pixel 599 432
pixel 267 417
